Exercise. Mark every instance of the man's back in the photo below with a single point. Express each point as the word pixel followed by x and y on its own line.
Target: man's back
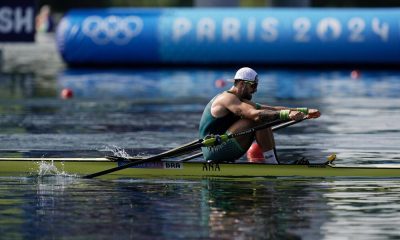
pixel 216 119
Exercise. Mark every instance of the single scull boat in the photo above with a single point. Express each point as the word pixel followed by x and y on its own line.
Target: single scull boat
pixel 84 166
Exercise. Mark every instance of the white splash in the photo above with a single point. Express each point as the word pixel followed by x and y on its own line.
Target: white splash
pixel 46 168
pixel 117 151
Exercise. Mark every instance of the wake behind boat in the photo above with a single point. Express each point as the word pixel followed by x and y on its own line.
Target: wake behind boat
pixel 84 166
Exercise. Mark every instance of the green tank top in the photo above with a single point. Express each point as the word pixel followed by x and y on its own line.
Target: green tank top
pixel 211 125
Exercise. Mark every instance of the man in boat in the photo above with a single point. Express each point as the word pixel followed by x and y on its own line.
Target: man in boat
pixel 233 111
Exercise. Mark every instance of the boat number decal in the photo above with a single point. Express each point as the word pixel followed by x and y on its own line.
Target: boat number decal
pixel 165 165
pixel 317 166
pixel 143 165
pixel 173 165
pixel 211 167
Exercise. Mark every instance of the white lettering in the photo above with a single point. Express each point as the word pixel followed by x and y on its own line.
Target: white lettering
pixel 181 27
pixel 14 20
pixel 6 23
pixel 302 26
pixel 22 21
pixel 206 29
pixel 235 30
pixel 251 29
pixel 381 31
pixel 324 26
pixel 271 33
pixel 356 27
pixel 231 29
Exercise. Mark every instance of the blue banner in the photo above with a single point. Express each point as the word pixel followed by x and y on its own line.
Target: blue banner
pixel 230 35
pixel 17 21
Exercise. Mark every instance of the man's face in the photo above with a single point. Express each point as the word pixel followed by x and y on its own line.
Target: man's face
pixel 250 88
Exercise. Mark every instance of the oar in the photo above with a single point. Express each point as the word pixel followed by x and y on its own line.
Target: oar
pixel 287 124
pixel 116 158
pixel 191 157
pixel 207 142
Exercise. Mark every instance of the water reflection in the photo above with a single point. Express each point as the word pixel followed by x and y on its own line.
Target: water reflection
pixel 365 209
pixel 258 209
pixel 337 84
pixel 213 208
pixel 142 85
pixel 210 208
pixel 191 84
pixel 20 86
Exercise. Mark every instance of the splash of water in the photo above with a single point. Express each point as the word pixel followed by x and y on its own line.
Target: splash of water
pixel 117 151
pixel 46 168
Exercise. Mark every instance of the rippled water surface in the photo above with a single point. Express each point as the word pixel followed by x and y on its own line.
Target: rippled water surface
pixel 62 207
pixel 146 111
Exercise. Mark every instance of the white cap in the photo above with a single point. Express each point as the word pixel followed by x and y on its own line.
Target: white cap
pixel 246 74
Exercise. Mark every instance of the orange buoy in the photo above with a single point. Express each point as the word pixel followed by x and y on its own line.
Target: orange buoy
pixel 67 93
pixel 220 83
pixel 355 74
pixel 255 154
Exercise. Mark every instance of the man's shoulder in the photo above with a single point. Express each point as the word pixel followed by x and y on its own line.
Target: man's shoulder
pixel 226 100
pixel 226 97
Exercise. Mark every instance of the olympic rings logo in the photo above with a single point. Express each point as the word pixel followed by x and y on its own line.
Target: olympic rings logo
pixel 119 30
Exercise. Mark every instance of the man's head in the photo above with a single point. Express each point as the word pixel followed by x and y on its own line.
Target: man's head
pixel 246 74
pixel 248 78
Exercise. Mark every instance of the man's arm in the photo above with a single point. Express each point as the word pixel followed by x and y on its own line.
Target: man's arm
pixel 247 109
pixel 311 113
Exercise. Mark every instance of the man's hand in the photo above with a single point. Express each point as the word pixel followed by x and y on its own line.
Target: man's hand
pixel 313 113
pixel 296 115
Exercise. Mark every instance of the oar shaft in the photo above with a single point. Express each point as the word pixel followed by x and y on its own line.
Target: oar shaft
pixel 184 149
pixel 256 128
pixel 191 157
pixel 286 124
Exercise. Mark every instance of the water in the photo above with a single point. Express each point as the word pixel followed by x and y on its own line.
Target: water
pixel 146 111
pixel 62 207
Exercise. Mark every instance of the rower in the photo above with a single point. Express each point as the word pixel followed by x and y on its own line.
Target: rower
pixel 233 111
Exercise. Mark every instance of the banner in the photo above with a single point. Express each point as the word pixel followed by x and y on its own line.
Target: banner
pixel 230 35
pixel 17 21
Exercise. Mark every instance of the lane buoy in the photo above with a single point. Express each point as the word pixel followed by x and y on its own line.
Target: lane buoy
pixel 67 93
pixel 355 74
pixel 220 83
